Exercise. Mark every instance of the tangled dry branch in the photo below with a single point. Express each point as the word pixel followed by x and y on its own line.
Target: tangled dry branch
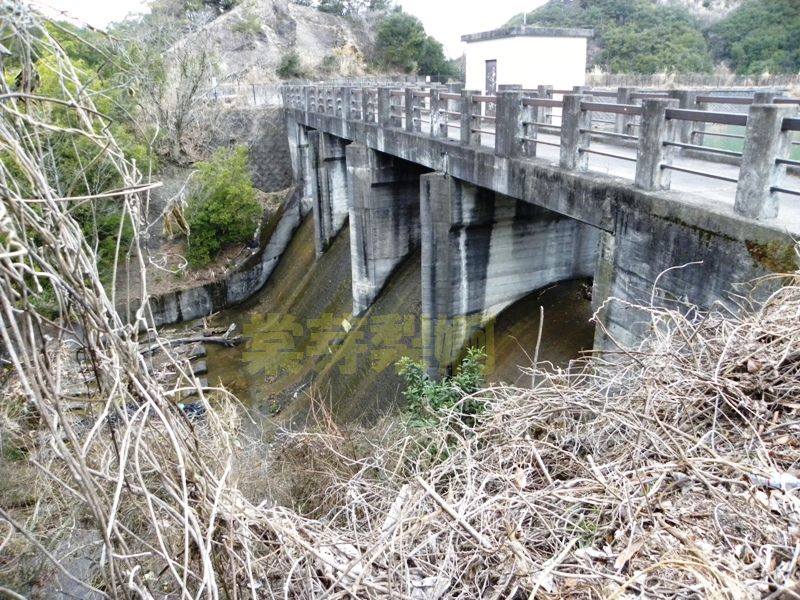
pixel 665 474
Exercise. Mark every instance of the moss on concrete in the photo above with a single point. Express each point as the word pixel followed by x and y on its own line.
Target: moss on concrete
pixel 776 256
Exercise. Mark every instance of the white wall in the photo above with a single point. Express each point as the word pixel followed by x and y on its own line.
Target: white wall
pixel 531 61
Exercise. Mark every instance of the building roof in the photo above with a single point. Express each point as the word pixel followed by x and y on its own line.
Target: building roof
pixel 527 31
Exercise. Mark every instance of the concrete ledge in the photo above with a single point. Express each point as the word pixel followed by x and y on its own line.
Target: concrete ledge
pixel 527 31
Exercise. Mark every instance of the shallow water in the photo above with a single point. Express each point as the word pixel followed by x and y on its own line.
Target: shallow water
pixel 303 347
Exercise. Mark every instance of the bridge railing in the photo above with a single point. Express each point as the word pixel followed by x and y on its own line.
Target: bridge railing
pixel 645 127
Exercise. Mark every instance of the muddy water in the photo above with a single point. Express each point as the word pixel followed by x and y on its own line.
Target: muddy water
pixel 303 347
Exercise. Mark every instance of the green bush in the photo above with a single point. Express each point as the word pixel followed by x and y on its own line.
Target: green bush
pixel 223 207
pixel 290 66
pixel 428 398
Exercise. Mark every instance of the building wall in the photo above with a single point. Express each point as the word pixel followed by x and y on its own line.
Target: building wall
pixel 530 61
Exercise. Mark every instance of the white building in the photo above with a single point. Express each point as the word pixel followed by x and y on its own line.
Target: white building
pixel 526 55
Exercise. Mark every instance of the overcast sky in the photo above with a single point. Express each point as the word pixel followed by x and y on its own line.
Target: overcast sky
pixel 446 20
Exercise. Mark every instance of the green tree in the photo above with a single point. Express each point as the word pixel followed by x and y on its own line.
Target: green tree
pixel 223 208
pixel 402 44
pixel 631 36
pixel 759 37
pixel 79 165
pixel 347 8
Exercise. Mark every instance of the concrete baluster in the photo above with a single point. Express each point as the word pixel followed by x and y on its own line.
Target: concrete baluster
pixel 468 119
pixel 764 97
pixel 509 129
pixel 366 113
pixel 454 88
pixel 384 107
pixel 410 110
pixel 346 94
pixel 396 110
pixel 309 98
pixel 687 99
pixel 575 126
pixel 622 124
pixel 697 137
pixel 546 114
pixel 764 141
pixel 438 113
pixel 529 117
pixel 652 154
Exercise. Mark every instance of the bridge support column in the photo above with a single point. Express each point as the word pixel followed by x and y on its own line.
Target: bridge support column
pixel 306 161
pixel 327 186
pixel 481 251
pixel 384 219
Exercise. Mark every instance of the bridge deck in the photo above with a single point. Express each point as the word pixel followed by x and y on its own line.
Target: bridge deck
pixel 570 131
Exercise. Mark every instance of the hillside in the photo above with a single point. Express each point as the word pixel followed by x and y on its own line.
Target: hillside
pixel 251 40
pixel 682 36
pixel 709 11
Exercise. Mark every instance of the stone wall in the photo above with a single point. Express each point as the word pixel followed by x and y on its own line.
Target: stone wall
pixel 263 131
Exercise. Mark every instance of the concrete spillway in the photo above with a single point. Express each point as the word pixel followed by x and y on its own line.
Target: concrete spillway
pixel 303 343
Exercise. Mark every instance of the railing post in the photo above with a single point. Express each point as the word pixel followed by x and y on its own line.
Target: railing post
pixel 309 98
pixel 546 114
pixel 575 136
pixel 686 99
pixel 622 124
pixel 366 114
pixel 764 141
pixel 347 103
pixel 454 88
pixel 530 115
pixel 764 97
pixel 652 153
pixel 411 124
pixel 384 107
pixel 468 119
pixel 696 133
pixel 508 124
pixel 439 117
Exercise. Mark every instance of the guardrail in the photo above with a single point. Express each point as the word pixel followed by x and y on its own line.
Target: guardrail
pixel 515 121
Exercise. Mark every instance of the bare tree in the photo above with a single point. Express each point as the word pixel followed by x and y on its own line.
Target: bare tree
pixel 173 66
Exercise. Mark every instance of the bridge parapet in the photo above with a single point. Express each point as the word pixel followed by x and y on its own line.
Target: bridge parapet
pixel 582 122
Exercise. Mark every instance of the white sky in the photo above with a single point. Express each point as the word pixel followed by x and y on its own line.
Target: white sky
pixel 446 20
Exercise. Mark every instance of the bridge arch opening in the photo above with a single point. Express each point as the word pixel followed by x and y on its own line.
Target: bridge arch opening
pixel 482 252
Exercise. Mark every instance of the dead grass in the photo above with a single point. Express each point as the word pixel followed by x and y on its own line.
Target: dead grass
pixel 669 473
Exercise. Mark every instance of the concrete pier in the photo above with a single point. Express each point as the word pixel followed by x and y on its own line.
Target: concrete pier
pixel 329 194
pixel 384 218
pixel 482 251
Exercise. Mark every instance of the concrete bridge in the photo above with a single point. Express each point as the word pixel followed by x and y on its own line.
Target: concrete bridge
pixel 508 193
